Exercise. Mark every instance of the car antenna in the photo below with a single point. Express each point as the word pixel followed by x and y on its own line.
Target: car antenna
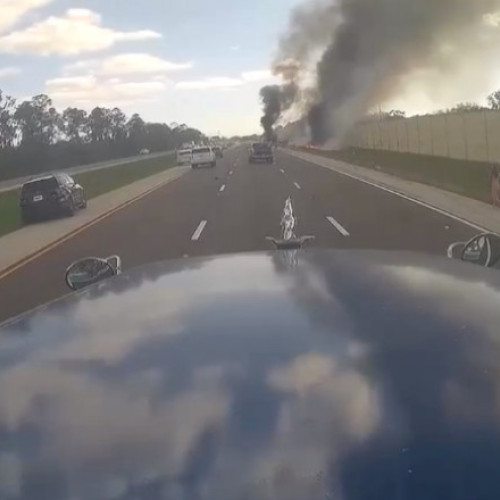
pixel 289 240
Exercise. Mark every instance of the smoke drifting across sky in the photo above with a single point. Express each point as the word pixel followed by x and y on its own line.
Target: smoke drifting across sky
pixel 357 54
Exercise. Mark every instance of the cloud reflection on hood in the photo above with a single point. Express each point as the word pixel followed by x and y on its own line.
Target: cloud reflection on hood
pixel 338 375
pixel 431 333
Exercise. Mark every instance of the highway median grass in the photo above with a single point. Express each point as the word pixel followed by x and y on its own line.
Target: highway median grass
pixel 95 183
pixel 468 178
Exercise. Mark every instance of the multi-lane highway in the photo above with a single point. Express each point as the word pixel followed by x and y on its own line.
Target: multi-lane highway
pixel 232 208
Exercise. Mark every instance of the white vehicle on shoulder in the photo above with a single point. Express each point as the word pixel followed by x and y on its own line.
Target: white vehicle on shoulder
pixel 203 155
pixel 184 156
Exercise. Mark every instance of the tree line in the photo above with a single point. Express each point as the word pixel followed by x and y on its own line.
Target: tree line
pixel 493 101
pixel 36 137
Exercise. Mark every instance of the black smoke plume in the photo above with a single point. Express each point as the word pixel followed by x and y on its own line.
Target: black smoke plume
pixel 275 100
pixel 362 53
pixel 271 100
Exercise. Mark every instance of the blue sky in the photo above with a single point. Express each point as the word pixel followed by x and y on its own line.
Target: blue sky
pixel 191 61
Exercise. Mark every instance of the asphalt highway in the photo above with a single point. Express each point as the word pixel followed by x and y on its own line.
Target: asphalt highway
pixel 232 208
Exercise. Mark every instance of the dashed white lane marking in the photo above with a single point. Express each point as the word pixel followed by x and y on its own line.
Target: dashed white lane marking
pixel 297 185
pixel 282 171
pixel 230 172
pixel 341 229
pixel 222 188
pixel 395 192
pixel 199 230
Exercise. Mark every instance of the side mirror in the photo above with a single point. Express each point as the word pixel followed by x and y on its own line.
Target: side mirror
pixel 483 250
pixel 455 250
pixel 116 263
pixel 88 271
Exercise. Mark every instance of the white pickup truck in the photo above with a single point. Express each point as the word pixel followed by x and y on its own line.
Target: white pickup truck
pixel 203 155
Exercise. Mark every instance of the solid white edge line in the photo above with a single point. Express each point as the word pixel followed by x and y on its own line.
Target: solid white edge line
pixel 424 204
pixel 341 229
pixel 222 188
pixel 297 185
pixel 199 230
pixel 405 197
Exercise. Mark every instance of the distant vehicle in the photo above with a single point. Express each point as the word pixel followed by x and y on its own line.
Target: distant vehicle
pixel 184 156
pixel 203 155
pixel 219 153
pixel 261 152
pixel 144 152
pixel 53 194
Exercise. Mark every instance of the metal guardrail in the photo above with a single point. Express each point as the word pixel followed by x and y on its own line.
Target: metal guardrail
pixel 12 184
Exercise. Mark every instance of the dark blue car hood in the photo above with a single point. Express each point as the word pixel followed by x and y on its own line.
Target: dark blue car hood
pixel 313 375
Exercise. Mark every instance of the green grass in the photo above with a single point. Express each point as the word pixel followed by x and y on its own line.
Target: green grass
pixel 468 178
pixel 102 181
pixel 10 218
pixel 95 183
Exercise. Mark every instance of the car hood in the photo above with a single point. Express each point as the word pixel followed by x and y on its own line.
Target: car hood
pixel 291 375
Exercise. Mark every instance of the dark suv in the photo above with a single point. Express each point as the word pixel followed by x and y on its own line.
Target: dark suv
pixel 261 151
pixel 53 194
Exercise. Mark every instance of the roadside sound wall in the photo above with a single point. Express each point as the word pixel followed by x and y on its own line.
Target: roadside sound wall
pixel 473 135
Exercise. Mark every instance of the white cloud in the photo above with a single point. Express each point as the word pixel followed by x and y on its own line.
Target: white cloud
pixel 71 83
pixel 78 31
pixel 89 91
pixel 257 75
pixel 80 66
pixel 11 11
pixel 137 63
pixel 247 77
pixel 118 80
pixel 492 19
pixel 126 64
pixel 9 71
